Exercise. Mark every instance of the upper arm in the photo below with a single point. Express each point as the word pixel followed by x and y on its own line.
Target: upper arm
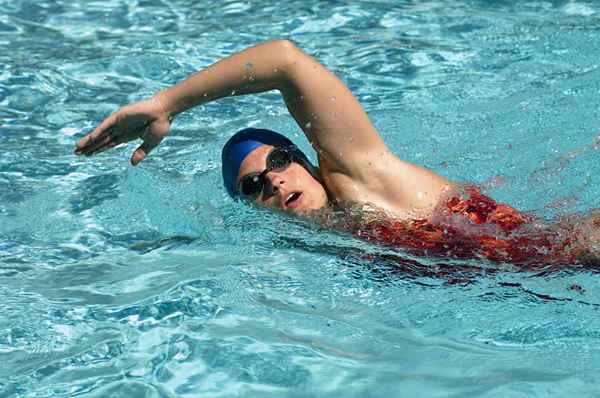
pixel 354 160
pixel 331 117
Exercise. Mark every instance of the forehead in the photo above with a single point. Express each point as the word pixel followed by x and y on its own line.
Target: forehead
pixel 256 160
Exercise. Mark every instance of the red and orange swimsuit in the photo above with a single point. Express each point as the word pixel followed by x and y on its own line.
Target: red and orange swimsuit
pixel 473 225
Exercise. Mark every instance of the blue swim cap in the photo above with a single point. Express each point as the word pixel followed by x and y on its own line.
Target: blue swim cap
pixel 245 141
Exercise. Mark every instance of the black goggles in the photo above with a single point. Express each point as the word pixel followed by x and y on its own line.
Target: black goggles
pixel 251 185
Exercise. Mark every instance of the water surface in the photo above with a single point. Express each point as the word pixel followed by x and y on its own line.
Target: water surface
pixel 149 281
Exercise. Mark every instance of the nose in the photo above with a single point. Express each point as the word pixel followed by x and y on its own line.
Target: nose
pixel 274 181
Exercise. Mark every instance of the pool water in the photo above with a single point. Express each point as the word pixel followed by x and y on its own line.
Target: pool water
pixel 148 281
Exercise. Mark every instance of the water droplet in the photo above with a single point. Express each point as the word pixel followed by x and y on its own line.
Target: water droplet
pixel 341 155
pixel 308 125
pixel 251 78
pixel 351 139
pixel 275 70
pixel 332 98
pixel 301 98
pixel 232 92
pixel 249 65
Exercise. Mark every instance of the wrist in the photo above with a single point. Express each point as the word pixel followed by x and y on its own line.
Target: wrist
pixel 165 107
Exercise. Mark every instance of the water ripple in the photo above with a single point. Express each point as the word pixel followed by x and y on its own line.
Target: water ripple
pixel 120 281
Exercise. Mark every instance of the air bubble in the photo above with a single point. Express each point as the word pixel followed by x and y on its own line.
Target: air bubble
pixel 308 125
pixel 596 144
pixel 232 92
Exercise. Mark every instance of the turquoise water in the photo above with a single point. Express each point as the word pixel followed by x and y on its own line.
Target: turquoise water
pixel 149 281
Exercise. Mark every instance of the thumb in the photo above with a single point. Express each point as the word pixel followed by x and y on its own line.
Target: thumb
pixel 150 142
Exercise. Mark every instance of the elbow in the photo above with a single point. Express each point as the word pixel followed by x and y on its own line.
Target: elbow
pixel 288 53
pixel 284 46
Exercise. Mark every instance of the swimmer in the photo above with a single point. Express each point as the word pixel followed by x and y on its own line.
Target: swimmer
pixel 354 163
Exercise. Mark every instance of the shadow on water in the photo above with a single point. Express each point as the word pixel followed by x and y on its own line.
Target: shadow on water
pixel 94 191
pixel 168 243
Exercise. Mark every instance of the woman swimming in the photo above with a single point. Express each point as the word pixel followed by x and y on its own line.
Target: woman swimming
pixel 425 212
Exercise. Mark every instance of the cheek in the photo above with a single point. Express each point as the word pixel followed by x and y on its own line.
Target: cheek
pixel 322 196
pixel 315 190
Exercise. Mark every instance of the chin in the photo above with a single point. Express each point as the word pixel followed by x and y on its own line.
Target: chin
pixel 316 202
pixel 312 208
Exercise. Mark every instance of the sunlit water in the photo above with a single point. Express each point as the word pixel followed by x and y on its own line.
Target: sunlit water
pixel 149 281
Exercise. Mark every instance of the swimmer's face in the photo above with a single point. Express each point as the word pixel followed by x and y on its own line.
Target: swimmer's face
pixel 292 189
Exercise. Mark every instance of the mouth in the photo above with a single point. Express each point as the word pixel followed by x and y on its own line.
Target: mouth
pixel 292 201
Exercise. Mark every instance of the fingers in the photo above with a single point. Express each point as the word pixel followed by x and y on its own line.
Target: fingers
pixel 99 133
pixel 151 141
pixel 111 144
pixel 107 143
pixel 93 147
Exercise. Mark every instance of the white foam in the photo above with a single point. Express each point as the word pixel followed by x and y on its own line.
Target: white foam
pixel 420 59
pixel 314 26
pixel 573 8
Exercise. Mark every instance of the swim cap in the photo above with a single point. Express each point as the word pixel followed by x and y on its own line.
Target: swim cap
pixel 245 141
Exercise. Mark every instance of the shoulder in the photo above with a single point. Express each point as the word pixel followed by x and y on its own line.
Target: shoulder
pixel 387 182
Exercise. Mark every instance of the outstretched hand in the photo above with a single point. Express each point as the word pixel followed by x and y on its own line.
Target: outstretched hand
pixel 146 120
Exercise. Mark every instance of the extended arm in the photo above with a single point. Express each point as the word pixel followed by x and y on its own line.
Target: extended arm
pixel 324 108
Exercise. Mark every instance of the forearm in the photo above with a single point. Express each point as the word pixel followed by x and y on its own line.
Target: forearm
pixel 256 69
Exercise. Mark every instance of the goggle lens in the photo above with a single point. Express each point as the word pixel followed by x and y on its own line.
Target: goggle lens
pixel 279 159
